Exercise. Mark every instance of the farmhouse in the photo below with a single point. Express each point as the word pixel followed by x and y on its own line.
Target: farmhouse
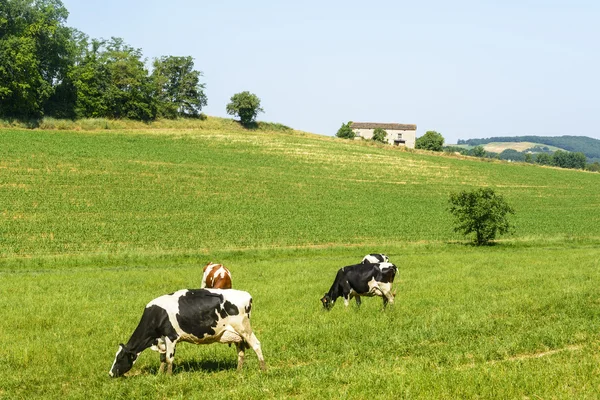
pixel 397 134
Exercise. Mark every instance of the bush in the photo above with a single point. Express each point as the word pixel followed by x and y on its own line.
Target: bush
pixel 543 159
pixel 477 151
pixel 345 132
pixel 431 140
pixel 246 106
pixel 594 167
pixel 512 155
pixel 380 135
pixel 482 212
pixel 565 159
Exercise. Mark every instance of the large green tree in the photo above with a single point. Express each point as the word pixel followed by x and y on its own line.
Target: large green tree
pixel 111 81
pixel 431 140
pixel 34 54
pixel 61 103
pixel 178 88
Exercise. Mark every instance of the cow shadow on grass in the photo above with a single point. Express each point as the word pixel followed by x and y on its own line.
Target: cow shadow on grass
pixel 195 366
pixel 206 365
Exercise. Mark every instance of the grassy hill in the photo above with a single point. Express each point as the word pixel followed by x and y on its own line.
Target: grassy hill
pixel 97 222
pixel 174 190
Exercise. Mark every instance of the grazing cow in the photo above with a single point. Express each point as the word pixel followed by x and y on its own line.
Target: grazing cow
pixel 199 316
pixel 216 276
pixel 375 258
pixel 362 280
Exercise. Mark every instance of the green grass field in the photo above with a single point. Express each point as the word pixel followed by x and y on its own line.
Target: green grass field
pixel 95 224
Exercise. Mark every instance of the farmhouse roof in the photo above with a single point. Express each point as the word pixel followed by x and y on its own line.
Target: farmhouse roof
pixel 374 125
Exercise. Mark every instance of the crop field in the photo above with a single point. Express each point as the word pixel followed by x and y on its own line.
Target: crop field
pixel 95 224
pixel 499 147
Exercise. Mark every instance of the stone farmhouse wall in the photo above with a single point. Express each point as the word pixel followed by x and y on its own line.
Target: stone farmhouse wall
pixel 397 134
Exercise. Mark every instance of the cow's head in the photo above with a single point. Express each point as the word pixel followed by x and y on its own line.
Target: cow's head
pixel 124 360
pixel 327 302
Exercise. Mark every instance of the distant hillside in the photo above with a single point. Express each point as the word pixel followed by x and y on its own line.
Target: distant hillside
pixel 219 186
pixel 588 146
pixel 499 147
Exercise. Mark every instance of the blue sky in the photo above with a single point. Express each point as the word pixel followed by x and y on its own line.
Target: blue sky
pixel 466 69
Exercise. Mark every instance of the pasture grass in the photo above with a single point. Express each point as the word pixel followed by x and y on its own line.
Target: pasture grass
pixel 95 223
pixel 160 191
pixel 95 124
pixel 507 321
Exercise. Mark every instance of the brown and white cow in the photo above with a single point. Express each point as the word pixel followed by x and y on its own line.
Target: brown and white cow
pixel 216 276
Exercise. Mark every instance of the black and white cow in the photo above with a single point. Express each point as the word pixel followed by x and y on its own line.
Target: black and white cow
pixel 199 316
pixel 375 258
pixel 362 280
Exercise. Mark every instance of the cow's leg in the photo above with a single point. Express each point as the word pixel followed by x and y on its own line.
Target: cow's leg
pixel 252 341
pixel 241 347
pixel 389 296
pixel 358 301
pixel 383 290
pixel 169 354
pixel 255 344
pixel 162 350
pixel 386 294
pixel 163 360
pixel 347 293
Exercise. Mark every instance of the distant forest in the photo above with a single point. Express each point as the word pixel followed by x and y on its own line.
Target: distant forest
pixel 588 146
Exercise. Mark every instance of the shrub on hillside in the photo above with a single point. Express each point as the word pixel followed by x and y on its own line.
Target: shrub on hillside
pixel 345 132
pixel 543 159
pixel 246 106
pixel 594 167
pixel 512 155
pixel 380 135
pixel 477 151
pixel 565 159
pixel 431 140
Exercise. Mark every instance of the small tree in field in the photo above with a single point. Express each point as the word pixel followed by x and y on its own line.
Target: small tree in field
pixel 482 212
pixel 380 135
pixel 477 151
pixel 246 106
pixel 431 140
pixel 345 132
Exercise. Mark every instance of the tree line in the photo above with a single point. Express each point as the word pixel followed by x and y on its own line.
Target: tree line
pixel 50 69
pixel 559 158
pixel 586 145
pixel 434 141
